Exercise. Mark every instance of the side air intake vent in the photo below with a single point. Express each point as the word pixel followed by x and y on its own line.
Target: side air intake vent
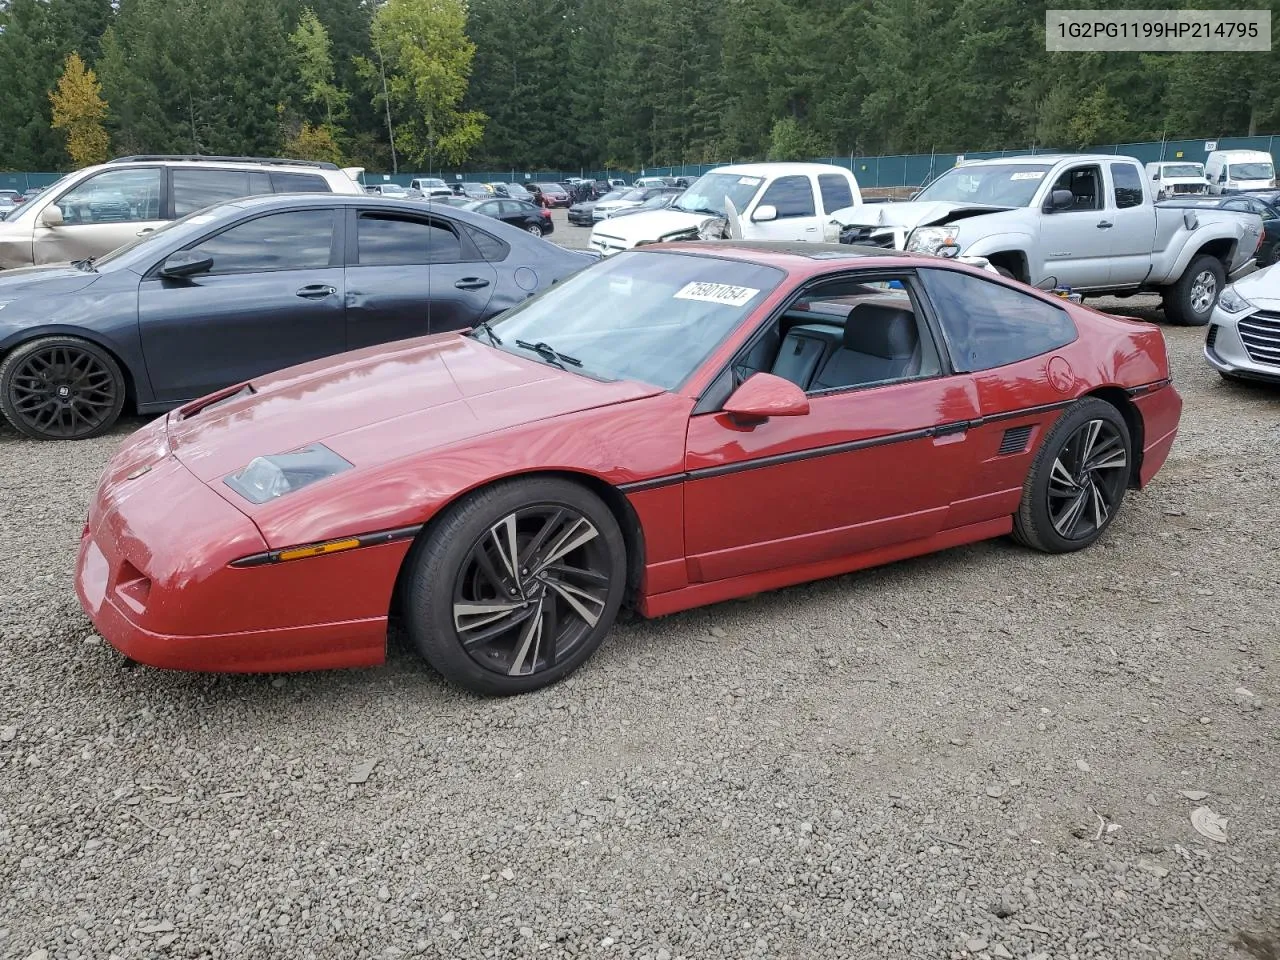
pixel 1015 440
pixel 1212 336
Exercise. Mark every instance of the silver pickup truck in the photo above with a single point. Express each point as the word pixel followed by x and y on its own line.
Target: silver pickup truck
pixel 1088 222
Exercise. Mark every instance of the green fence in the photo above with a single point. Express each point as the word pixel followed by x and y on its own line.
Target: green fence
pixel 910 170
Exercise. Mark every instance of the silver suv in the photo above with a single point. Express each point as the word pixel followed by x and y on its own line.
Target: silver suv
pixel 94 210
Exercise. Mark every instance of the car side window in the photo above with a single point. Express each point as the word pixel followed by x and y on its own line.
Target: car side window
pixel 1239 206
pixel 385 240
pixel 792 196
pixel 113 196
pixel 195 189
pixel 294 240
pixel 1085 184
pixel 490 247
pixel 299 183
pixel 987 324
pixel 836 193
pixel 1128 185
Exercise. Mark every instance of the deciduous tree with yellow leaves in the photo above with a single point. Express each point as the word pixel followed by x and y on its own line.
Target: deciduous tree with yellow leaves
pixel 78 109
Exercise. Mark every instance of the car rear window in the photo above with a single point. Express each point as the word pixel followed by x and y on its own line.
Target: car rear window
pixel 299 183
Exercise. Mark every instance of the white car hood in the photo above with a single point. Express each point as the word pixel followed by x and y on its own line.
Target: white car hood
pixel 1261 288
pixel 909 215
pixel 651 224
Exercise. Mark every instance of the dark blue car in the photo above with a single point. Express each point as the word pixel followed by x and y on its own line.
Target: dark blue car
pixel 244 288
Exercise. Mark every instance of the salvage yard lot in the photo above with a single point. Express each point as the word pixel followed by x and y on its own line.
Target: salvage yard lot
pixel 907 762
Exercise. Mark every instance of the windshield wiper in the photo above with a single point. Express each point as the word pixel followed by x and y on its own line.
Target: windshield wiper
pixel 488 332
pixel 86 264
pixel 706 210
pixel 549 353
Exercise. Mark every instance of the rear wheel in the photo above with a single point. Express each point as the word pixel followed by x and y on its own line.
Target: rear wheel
pixel 534 229
pixel 517 585
pixel 1190 301
pixel 1077 481
pixel 61 388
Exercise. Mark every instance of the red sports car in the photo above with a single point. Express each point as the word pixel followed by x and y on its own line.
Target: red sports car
pixel 674 426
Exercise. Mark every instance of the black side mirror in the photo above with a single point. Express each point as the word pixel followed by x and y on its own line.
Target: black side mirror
pixel 185 263
pixel 1059 200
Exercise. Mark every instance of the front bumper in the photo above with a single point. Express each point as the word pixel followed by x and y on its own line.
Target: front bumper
pixel 1244 345
pixel 153 574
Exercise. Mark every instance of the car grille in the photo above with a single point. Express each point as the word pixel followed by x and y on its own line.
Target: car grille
pixel 607 245
pixel 863 237
pixel 1015 440
pixel 1260 334
pixel 1188 188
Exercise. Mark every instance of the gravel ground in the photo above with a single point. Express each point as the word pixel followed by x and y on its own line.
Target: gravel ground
pixel 977 754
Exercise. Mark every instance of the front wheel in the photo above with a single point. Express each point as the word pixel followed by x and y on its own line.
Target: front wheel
pixel 516 585
pixel 1190 301
pixel 1077 480
pixel 61 388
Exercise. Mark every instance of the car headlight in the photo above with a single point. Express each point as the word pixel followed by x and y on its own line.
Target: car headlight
pixel 266 478
pixel 1232 302
pixel 932 239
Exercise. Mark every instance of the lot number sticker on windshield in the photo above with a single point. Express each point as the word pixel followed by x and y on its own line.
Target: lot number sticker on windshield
pixel 748 181
pixel 722 293
pixel 1028 175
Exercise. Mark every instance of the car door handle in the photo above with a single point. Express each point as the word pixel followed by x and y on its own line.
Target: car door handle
pixel 471 283
pixel 1105 224
pixel 317 291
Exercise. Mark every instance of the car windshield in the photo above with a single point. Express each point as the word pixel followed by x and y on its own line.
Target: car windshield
pixel 1252 171
pixel 646 316
pixel 708 193
pixel 613 195
pixel 1183 170
pixel 432 183
pixel 997 185
pixel 636 195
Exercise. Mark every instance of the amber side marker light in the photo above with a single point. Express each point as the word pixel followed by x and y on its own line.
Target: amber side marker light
pixel 333 546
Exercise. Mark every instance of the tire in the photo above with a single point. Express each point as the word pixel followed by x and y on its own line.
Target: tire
pixel 61 388
pixel 462 566
pixel 1190 301
pixel 534 229
pixel 1092 431
pixel 1004 272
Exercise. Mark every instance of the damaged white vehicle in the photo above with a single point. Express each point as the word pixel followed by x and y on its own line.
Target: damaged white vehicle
pixel 1089 223
pixel 770 201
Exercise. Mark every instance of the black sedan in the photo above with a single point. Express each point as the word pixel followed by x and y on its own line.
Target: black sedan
pixel 525 216
pixel 234 291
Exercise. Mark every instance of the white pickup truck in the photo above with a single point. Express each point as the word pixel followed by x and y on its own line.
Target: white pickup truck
pixel 1087 222
pixel 751 201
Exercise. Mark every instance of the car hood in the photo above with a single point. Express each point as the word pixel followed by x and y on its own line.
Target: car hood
pixel 44 281
pixel 383 403
pixel 1261 288
pixel 910 215
pixel 652 224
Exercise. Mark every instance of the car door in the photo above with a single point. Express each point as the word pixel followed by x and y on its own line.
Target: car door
pixel 876 461
pixel 1130 237
pixel 1074 242
pixel 273 298
pixel 410 274
pixel 100 213
pixel 797 213
pixel 1011 342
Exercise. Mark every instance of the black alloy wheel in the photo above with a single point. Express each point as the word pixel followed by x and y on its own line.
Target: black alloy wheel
pixel 517 585
pixel 1078 479
pixel 1087 480
pixel 61 388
